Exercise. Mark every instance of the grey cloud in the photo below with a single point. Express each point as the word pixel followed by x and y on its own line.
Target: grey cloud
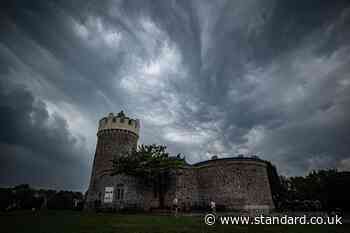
pixel 267 77
pixel 37 148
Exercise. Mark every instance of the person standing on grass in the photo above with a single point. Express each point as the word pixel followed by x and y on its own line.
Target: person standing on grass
pixel 175 206
pixel 213 206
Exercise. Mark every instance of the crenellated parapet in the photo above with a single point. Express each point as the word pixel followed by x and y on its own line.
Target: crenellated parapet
pixel 119 122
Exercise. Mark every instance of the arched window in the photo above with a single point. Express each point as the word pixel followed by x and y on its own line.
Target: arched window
pixel 120 192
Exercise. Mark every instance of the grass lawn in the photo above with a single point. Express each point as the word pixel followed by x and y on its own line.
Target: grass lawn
pixel 73 222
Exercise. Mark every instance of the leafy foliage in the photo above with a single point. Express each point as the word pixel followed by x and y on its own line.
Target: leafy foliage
pixel 25 197
pixel 147 162
pixel 152 164
pixel 322 189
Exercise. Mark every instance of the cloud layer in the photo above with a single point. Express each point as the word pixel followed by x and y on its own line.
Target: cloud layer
pixel 205 78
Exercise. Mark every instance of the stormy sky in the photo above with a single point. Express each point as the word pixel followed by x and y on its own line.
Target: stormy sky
pixel 265 77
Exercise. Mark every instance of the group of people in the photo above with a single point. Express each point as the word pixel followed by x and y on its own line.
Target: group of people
pixel 212 206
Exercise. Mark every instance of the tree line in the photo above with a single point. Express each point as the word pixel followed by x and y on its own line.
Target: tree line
pixel 321 190
pixel 25 197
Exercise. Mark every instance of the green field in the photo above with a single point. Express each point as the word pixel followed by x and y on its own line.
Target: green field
pixel 69 222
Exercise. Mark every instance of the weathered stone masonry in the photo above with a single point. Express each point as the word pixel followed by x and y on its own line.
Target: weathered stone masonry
pixel 233 183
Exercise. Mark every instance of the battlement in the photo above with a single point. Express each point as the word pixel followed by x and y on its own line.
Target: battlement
pixel 120 121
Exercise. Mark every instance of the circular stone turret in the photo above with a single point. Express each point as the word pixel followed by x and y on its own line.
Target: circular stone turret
pixel 117 135
pixel 119 122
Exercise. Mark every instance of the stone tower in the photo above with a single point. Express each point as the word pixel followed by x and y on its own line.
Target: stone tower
pixel 117 135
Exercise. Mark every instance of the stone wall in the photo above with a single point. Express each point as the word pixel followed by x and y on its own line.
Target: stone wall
pixel 119 122
pixel 110 143
pixel 186 189
pixel 234 184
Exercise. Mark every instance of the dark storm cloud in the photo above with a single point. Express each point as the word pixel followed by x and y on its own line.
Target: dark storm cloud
pixel 37 148
pixel 205 77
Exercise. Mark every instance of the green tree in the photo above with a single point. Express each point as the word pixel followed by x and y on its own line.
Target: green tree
pixel 150 163
pixel 329 187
